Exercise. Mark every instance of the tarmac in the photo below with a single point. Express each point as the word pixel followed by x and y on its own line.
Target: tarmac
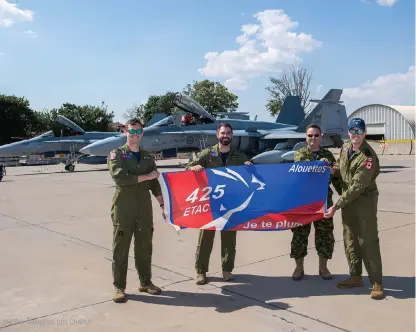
pixel 56 252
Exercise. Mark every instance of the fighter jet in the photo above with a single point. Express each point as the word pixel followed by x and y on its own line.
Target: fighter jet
pixel 264 142
pixel 48 145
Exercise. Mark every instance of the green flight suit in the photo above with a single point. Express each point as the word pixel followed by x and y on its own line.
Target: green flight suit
pixel 210 158
pixel 358 204
pixel 132 213
pixel 324 228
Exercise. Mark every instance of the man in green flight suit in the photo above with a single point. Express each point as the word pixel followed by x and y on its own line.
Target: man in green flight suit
pixel 221 154
pixel 358 167
pixel 135 174
pixel 324 229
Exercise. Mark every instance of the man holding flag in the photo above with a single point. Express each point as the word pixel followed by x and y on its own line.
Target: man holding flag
pixel 221 154
pixel 324 229
pixel 135 175
pixel 358 166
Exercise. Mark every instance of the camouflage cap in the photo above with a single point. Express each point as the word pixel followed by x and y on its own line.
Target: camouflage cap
pixel 357 123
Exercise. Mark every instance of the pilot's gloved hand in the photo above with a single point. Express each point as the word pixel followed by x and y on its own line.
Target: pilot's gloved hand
pixel 248 162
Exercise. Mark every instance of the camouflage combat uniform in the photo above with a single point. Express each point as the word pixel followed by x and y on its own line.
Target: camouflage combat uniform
pixel 132 214
pixel 358 204
pixel 324 237
pixel 211 158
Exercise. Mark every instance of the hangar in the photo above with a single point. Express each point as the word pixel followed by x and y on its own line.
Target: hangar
pixel 391 126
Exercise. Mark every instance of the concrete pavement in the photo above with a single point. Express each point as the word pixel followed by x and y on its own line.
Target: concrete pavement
pixel 55 243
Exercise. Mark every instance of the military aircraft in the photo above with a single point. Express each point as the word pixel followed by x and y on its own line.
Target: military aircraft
pixel 50 146
pixel 264 142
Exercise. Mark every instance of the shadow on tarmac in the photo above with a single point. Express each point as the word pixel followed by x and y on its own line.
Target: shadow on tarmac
pixel 267 292
pixel 391 168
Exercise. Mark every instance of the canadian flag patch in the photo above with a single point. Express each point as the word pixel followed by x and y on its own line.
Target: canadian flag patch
pixel 368 163
pixel 112 155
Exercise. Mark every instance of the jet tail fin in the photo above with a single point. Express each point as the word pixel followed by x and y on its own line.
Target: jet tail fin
pixel 331 116
pixel 69 124
pixel 292 111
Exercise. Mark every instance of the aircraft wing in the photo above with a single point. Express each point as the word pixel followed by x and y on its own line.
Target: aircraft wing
pixel 262 134
pixel 213 132
pixel 283 134
pixel 78 140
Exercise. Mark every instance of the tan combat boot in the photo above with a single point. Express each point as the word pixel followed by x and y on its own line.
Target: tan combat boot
pixel 298 273
pixel 227 276
pixel 353 281
pixel 323 270
pixel 201 279
pixel 119 296
pixel 151 289
pixel 377 293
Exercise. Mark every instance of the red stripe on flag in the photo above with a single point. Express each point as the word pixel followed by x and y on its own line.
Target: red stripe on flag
pixel 191 213
pixel 285 220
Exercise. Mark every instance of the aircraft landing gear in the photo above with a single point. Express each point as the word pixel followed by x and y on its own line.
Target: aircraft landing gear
pixel 69 168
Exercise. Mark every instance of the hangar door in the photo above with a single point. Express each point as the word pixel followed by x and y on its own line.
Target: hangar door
pixel 376 131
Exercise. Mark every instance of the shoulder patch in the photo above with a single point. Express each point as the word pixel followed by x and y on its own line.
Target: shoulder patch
pixel 368 163
pixel 113 155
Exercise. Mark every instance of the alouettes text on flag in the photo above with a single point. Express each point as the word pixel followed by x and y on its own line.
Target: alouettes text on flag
pixel 250 197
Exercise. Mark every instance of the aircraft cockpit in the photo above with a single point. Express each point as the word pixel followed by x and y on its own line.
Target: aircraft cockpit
pixel 47 134
pixel 192 112
pixel 165 122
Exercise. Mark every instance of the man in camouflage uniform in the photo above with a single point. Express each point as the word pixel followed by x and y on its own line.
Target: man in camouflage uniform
pixel 324 229
pixel 221 154
pixel 135 174
pixel 358 167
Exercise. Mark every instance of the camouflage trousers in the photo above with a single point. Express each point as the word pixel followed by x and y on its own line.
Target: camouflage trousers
pixel 324 239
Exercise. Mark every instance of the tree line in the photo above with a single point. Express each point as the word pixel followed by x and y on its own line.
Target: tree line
pixel 19 121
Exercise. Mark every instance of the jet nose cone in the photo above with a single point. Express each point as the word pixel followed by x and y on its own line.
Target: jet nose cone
pixel 10 150
pixel 269 157
pixel 85 150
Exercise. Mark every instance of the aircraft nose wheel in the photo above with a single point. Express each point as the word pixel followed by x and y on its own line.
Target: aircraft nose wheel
pixel 69 168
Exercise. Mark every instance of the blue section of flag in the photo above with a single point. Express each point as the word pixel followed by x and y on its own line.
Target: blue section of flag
pixel 274 188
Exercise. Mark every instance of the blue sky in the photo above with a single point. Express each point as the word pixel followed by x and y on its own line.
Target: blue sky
pixel 121 52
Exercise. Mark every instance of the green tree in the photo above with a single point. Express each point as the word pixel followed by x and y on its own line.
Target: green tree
pixel 17 119
pixel 89 118
pixel 155 104
pixel 291 82
pixel 213 96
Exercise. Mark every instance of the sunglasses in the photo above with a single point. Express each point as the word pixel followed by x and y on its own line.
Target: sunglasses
pixel 314 135
pixel 356 131
pixel 135 131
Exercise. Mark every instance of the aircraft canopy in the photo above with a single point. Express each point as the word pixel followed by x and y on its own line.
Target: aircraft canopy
pixel 189 105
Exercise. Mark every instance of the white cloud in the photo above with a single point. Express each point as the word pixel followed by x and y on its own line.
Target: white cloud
pixel 9 13
pixel 388 3
pixel 392 89
pixel 280 47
